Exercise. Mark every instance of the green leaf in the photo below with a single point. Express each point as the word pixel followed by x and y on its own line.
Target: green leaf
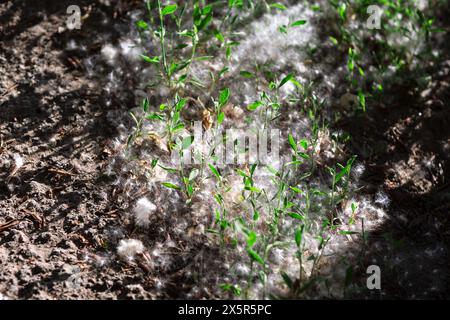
pixel 251 239
pixel 334 40
pixel 345 232
pixel 134 119
pixel 299 235
pixel 362 100
pixel 185 33
pixel 145 105
pixel 253 168
pixel 297 84
pixel 169 9
pixel 224 96
pixel 283 29
pixel 154 116
pixel 203 58
pixel 220 117
pixel 223 71
pixel 241 173
pixel 194 173
pixel 246 74
pixel 255 105
pixel 187 141
pixel 350 64
pixel 304 144
pixel 189 189
pixel 141 24
pixel 207 9
pixel 179 126
pixel 278 6
pixel 214 170
pixel 287 279
pixel 295 215
pixel 303 155
pixel 361 71
pixel 180 104
pixel 285 80
pixel 292 142
pixel 345 170
pixel 219 36
pixel 182 79
pixel 234 289
pixel 233 44
pixel 288 204
pixel 235 3
pixel 228 53
pixel 272 170
pixel 298 23
pixel 204 22
pixel 253 189
pixel 296 162
pixel 342 10
pixel 255 257
pixel 296 190
pixel 149 59
pixel 275 105
pixel 171 185
pixel 171 170
pixel 175 67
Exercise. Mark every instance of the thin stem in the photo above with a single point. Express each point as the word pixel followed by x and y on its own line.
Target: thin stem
pixel 161 37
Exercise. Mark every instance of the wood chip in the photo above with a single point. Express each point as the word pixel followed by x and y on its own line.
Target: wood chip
pixel 207 120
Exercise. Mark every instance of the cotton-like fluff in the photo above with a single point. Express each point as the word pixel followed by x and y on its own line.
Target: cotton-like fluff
pixel 142 212
pixel 284 49
pixel 109 53
pixel 18 161
pixel 358 171
pixel 71 45
pixel 382 199
pixel 130 49
pixel 129 248
pixel 422 4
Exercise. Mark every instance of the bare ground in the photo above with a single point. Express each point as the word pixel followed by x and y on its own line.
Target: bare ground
pixel 56 209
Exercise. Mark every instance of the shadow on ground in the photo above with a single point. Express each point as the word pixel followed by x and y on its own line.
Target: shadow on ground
pixel 404 143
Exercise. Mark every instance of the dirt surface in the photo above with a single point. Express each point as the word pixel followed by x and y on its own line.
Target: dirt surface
pixel 56 209
pixel 405 146
pixel 59 218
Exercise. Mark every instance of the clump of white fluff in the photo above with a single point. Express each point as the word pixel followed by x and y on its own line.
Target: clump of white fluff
pixel 129 248
pixel 142 212
pixel 18 161
pixel 382 199
pixel 129 49
pixel 109 53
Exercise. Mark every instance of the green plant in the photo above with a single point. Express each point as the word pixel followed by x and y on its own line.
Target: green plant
pixel 294 206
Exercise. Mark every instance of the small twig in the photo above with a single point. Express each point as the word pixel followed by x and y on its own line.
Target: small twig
pixel 8 90
pixel 8 224
pixel 112 212
pixel 36 217
pixel 61 172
